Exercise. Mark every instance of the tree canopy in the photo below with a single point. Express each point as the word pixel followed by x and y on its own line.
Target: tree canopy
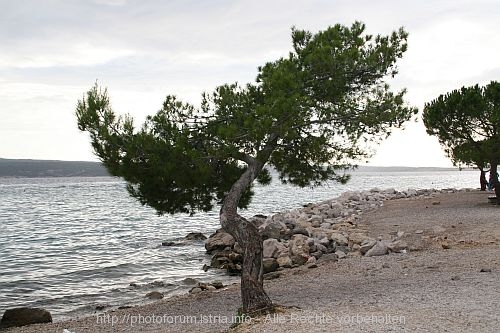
pixel 314 109
pixel 467 123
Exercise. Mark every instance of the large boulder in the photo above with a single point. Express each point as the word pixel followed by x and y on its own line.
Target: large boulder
pixel 24 316
pixel 299 249
pixel 320 247
pixel 316 220
pixel 300 231
pixel 155 295
pixel 272 248
pixel 269 265
pixel 273 228
pixel 335 211
pixel 366 245
pixel 379 249
pixel 219 241
pixel 290 223
pixel 284 261
pixel 338 238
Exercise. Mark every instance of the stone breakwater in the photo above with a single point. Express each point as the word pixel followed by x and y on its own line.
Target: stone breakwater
pixel 328 230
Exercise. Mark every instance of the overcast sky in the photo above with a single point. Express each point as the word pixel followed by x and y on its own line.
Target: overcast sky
pixel 52 51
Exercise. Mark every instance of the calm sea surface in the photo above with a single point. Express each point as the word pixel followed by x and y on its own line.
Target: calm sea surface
pixel 74 245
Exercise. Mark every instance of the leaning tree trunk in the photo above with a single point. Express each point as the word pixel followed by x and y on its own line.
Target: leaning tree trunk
pixel 254 298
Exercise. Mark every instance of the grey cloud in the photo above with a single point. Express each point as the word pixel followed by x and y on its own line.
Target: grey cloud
pixel 187 46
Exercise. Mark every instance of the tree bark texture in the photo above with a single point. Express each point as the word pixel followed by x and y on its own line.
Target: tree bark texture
pixel 482 180
pixel 494 179
pixel 254 298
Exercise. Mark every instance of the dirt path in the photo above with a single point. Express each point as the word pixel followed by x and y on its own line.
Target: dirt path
pixel 448 282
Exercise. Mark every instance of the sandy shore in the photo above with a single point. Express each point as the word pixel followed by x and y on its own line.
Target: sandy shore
pixel 449 281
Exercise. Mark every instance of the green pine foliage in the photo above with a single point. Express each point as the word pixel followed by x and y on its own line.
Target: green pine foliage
pixel 308 115
pixel 467 124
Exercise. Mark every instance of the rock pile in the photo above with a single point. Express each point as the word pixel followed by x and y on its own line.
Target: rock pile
pixel 327 230
pixel 201 286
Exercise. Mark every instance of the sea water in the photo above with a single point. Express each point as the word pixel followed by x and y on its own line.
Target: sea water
pixel 75 246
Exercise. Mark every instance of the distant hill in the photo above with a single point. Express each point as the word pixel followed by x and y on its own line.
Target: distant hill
pixel 46 168
pixel 366 168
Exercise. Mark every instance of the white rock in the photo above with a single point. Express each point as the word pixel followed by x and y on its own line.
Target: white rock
pixel 331 221
pixel 379 249
pixel 272 247
pixel 340 254
pixel 338 238
pixel 325 225
pixel 316 219
pixel 324 241
pixel 335 211
pixel 322 248
pixel 311 260
pixel 298 245
pixel 411 193
pixel 324 207
pixel 284 261
pixel 397 246
pixel 366 245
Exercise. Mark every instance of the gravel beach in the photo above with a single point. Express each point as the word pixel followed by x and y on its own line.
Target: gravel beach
pixel 447 282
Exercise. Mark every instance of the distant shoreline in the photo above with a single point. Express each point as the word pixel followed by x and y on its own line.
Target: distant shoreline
pixel 28 168
pixel 14 168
